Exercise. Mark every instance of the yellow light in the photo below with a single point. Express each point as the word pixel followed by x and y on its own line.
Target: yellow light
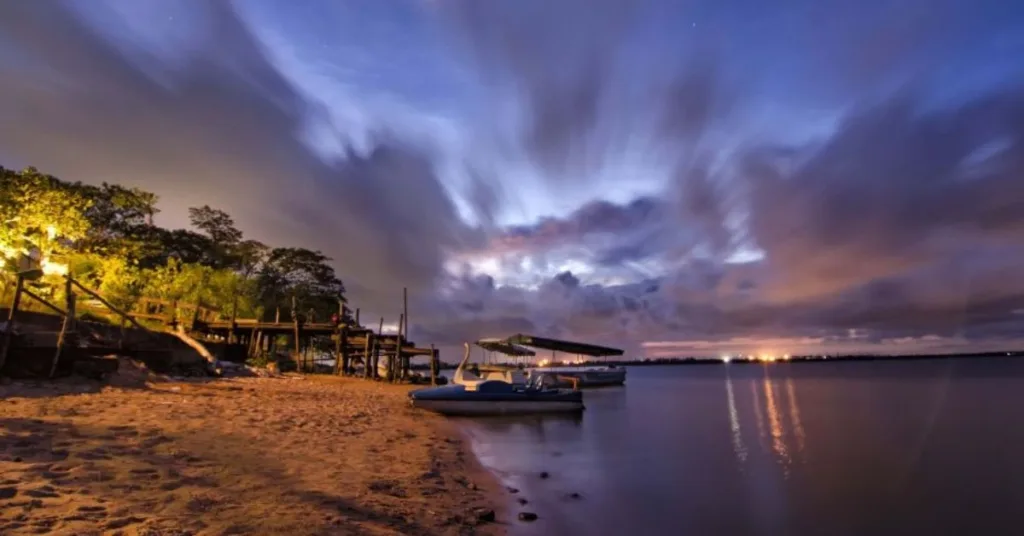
pixel 543 363
pixel 51 232
pixel 53 268
pixel 9 251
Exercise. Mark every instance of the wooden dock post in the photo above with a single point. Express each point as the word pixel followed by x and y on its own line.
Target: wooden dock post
pixel 233 334
pixel 9 327
pixel 66 325
pixel 369 371
pixel 397 374
pixel 297 336
pixel 404 359
pixel 433 365
pixel 346 365
pixel 376 349
pixel 338 343
pixel 251 343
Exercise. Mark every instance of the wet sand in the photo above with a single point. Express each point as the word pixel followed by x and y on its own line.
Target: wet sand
pixel 293 455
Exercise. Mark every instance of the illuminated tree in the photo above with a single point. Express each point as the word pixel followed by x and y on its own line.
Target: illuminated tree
pixel 302 274
pixel 42 217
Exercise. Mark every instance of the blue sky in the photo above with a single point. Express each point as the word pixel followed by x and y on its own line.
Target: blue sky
pixel 767 166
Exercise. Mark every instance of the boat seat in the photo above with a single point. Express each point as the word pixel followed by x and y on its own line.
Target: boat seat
pixel 494 386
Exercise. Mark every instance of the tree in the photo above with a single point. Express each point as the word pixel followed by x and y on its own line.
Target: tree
pixel 116 215
pixel 220 228
pixel 301 274
pixel 249 256
pixel 154 246
pixel 40 216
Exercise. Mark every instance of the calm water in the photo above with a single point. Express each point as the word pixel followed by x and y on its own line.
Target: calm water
pixel 931 447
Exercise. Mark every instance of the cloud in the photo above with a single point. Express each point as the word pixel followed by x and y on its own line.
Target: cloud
pixel 220 126
pixel 904 223
pixel 894 189
pixel 672 213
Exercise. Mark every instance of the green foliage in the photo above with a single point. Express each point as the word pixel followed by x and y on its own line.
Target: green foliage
pixel 106 237
pixel 303 276
pixel 39 215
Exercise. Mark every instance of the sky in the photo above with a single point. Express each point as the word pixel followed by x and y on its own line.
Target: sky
pixel 670 177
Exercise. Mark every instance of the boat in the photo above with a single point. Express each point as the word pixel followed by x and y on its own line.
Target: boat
pixel 581 377
pixel 602 376
pixel 519 345
pixel 493 397
pixel 474 395
pixel 508 373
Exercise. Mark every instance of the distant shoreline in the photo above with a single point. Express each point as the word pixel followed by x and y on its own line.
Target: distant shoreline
pixel 812 359
pixel 791 359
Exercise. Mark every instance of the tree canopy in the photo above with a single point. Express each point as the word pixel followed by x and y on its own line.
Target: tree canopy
pixel 105 236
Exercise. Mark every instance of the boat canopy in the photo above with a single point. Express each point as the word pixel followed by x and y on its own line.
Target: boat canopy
pixel 556 345
pixel 504 347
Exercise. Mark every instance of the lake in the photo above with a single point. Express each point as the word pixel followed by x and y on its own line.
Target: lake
pixel 830 448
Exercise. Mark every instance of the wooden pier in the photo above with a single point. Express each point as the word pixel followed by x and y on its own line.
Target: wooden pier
pixel 307 345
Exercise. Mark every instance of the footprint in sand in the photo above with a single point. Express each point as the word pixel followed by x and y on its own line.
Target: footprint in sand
pixel 154 441
pixel 99 453
pixel 43 492
pixel 120 523
pixel 91 513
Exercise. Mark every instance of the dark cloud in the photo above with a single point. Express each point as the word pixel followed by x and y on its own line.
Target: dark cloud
pixel 906 220
pixel 894 188
pixel 222 127
pixel 562 63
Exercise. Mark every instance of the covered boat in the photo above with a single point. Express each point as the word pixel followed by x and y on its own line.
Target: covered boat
pixel 583 376
pixel 592 376
pixel 496 398
pixel 473 395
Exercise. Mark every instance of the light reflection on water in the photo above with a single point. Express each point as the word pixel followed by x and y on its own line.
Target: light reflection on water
pixel 853 448
pixel 734 424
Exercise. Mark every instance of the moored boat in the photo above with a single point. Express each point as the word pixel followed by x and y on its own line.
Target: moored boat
pixel 496 398
pixel 583 376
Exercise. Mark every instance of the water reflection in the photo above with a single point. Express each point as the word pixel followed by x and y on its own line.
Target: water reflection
pixel 780 428
pixel 794 416
pixel 775 422
pixel 757 412
pixel 734 422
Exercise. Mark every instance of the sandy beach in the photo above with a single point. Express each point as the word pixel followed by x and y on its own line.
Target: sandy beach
pixel 287 455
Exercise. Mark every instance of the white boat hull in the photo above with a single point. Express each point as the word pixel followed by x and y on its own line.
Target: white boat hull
pixel 587 377
pixel 478 408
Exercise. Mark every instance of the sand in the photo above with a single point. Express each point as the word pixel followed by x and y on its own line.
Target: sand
pixel 288 455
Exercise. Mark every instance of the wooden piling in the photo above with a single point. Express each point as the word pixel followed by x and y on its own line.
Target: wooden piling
pixel 346 366
pixel 338 343
pixel 370 371
pixel 376 349
pixel 396 362
pixel 297 336
pixel 9 327
pixel 404 332
pixel 433 365
pixel 67 324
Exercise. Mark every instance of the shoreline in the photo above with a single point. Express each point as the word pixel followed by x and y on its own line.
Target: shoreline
pixel 287 455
